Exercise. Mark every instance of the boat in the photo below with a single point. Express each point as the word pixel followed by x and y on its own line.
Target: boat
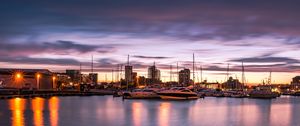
pixel 141 94
pixel 238 94
pixel 118 94
pixel 297 93
pixel 178 93
pixel 219 94
pixel 264 93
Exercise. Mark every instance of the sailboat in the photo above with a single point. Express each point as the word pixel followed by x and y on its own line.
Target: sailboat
pixel 240 93
pixel 264 91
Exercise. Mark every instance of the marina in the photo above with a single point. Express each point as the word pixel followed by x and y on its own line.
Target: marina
pixel 149 63
pixel 108 110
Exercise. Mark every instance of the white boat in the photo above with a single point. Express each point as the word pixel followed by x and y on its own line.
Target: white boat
pixel 178 94
pixel 141 94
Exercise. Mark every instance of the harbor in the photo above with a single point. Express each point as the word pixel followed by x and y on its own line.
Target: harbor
pixel 149 63
pixel 108 110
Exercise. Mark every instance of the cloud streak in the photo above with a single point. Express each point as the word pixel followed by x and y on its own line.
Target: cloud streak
pixel 151 57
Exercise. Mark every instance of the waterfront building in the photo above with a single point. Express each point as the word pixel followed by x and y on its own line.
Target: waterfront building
pixel 231 84
pixel 27 78
pixel 295 84
pixel 74 75
pixel 134 78
pixel 153 75
pixel 141 81
pixel 184 77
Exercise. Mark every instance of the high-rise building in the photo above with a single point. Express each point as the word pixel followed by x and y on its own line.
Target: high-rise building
pixel 128 74
pixel 153 74
pixel 184 77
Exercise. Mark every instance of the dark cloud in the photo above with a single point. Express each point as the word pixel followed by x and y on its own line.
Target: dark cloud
pixel 151 57
pixel 58 47
pixel 192 20
pixel 266 60
pixel 44 61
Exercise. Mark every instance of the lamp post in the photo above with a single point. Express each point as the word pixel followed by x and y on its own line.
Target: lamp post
pixel 53 81
pixel 18 78
pixel 38 76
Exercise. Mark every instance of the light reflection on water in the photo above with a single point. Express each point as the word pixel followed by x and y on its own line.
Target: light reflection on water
pixel 105 110
pixel 17 107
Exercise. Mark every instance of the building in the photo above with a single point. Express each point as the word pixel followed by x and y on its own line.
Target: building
pixel 153 75
pixel 27 78
pixel 134 78
pixel 184 77
pixel 141 81
pixel 295 84
pixel 74 75
pixel 128 74
pixel 94 78
pixel 232 84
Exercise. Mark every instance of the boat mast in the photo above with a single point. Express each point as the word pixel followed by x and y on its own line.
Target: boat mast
pixel 170 73
pixel 112 75
pixel 177 74
pixel 80 73
pixel 193 71
pixel 243 76
pixel 201 73
pixel 92 69
pixel 227 75
pixel 125 72
pixel 270 78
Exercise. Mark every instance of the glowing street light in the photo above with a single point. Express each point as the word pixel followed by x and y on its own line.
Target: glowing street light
pixel 18 75
pixel 38 76
pixel 53 81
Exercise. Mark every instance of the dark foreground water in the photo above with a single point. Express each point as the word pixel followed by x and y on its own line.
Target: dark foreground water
pixel 109 111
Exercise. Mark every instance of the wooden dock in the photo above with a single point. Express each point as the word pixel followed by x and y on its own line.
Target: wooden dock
pixel 8 94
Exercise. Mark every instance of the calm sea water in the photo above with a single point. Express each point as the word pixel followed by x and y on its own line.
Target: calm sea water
pixel 109 111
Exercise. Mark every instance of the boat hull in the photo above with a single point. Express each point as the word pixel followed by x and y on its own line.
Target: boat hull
pixel 263 96
pixel 140 96
pixel 178 96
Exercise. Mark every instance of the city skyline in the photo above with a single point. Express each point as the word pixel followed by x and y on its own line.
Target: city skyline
pixel 59 36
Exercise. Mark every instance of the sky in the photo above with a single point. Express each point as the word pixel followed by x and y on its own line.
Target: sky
pixel 59 35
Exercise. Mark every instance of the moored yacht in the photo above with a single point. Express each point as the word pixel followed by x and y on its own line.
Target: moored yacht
pixel 264 93
pixel 141 94
pixel 178 93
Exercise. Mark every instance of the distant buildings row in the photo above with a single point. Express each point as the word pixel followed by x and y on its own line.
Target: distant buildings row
pixel 45 79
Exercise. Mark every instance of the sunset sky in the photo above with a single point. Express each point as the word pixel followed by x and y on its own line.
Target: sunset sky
pixel 59 35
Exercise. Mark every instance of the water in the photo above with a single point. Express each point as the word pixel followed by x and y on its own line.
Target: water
pixel 109 111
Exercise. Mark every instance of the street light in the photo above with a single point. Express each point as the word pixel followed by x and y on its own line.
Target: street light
pixel 38 76
pixel 53 81
pixel 18 75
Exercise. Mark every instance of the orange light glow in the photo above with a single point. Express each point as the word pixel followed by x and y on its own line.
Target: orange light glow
pixel 53 78
pixel 53 108
pixel 164 114
pixel 18 75
pixel 17 106
pixel 37 108
pixel 137 113
pixel 38 75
